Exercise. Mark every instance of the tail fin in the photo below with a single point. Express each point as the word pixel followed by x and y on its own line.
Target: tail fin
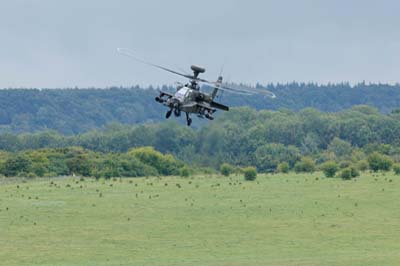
pixel 214 92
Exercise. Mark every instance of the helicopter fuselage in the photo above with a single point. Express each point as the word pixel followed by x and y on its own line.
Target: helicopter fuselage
pixel 190 100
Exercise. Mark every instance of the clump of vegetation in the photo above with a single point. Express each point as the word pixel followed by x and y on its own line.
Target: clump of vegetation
pixel 283 167
pixel 16 164
pixel 349 173
pixel 345 174
pixel 379 162
pixel 82 162
pixel 184 171
pixel 329 168
pixel 396 169
pixel 362 165
pixel 226 169
pixel 306 165
pixel 250 173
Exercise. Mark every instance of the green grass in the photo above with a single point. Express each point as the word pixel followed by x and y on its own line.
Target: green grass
pixel 275 220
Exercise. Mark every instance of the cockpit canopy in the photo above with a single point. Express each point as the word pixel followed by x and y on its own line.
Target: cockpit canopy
pixel 181 93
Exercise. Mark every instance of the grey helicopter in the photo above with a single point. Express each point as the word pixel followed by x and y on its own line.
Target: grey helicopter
pixel 189 98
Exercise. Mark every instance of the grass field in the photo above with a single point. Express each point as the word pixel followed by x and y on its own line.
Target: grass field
pixel 275 220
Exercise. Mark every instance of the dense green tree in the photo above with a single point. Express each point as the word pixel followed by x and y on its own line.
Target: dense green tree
pixel 329 168
pixel 378 162
pixel 16 164
pixel 165 164
pixel 283 167
pixel 340 148
pixel 306 165
pixel 396 169
pixel 226 169
pixel 268 156
pixel 250 173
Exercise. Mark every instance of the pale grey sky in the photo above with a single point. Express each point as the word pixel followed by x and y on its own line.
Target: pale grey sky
pixel 66 43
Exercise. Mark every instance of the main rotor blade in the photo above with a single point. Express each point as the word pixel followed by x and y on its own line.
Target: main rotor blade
pixel 239 89
pixel 235 92
pixel 130 54
pixel 248 89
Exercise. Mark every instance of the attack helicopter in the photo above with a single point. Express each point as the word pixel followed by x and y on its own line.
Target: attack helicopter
pixel 189 98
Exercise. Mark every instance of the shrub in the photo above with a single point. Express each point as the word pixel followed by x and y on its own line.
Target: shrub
pixel 378 162
pixel 354 172
pixel 306 165
pixel 349 173
pixel 329 168
pixel 362 165
pixel 345 174
pixel 226 169
pixel 250 173
pixel 396 169
pixel 283 167
pixel 184 172
pixel 165 164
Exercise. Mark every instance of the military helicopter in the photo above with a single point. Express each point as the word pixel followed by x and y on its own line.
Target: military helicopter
pixel 189 98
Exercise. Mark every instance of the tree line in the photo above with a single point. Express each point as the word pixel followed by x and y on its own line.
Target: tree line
pixel 73 111
pixel 269 140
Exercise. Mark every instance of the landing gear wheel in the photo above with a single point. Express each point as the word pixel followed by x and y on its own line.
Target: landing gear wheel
pixel 168 114
pixel 158 99
pixel 209 117
pixel 177 112
pixel 188 120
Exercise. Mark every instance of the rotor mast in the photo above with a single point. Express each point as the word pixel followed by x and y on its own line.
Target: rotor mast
pixel 196 71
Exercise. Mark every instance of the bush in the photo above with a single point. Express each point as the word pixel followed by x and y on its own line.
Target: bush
pixel 362 165
pixel 226 169
pixel 349 173
pixel 250 173
pixel 329 168
pixel 396 169
pixel 306 165
pixel 354 172
pixel 345 174
pixel 165 164
pixel 378 162
pixel 283 167
pixel 184 172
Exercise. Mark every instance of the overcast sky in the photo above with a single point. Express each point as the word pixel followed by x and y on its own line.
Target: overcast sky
pixel 67 43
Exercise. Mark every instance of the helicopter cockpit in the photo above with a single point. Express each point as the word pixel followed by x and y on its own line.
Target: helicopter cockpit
pixel 181 93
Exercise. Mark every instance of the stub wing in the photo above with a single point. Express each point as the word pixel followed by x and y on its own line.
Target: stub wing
pixel 163 93
pixel 219 106
pixel 213 105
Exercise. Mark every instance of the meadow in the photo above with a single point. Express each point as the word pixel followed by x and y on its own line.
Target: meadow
pixel 282 219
